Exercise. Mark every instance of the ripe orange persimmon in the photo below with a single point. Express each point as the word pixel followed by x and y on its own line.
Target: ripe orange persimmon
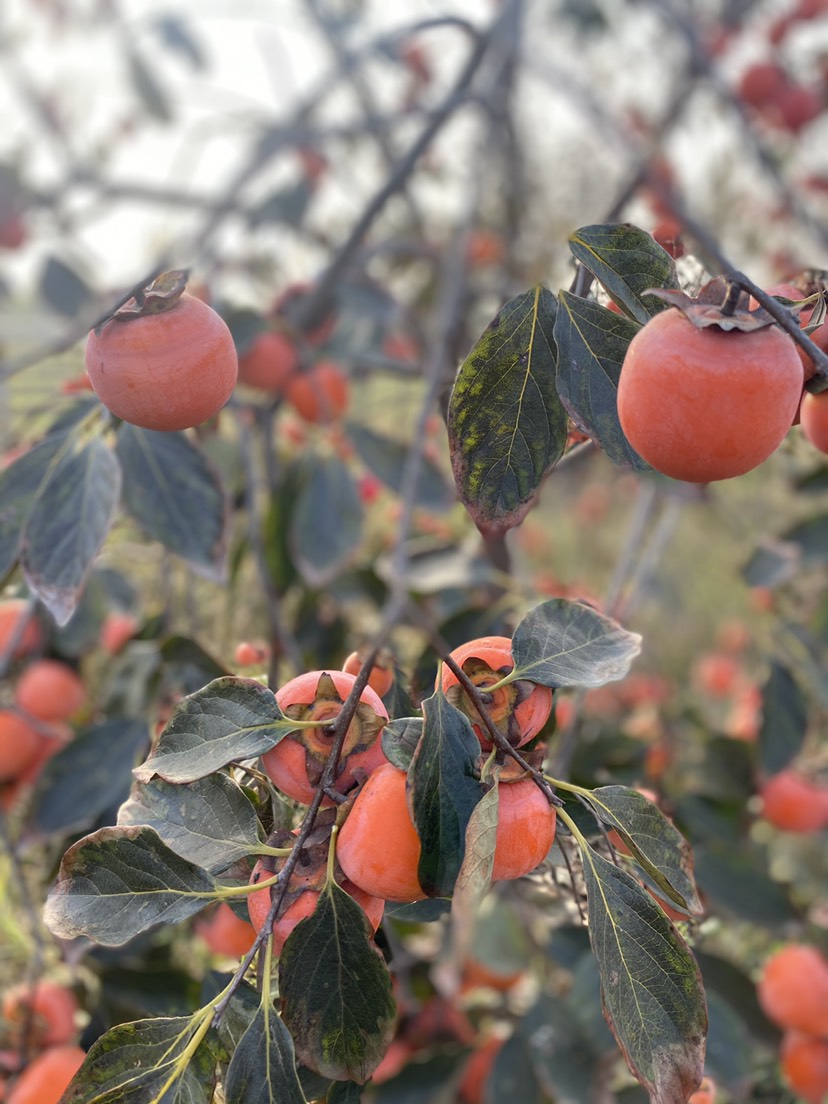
pixel 378 847
pixel 705 1093
pixel 321 394
pixel 804 1060
pixel 47 1007
pixel 793 988
pixel 794 803
pixel 707 404
pixel 44 1080
pixel 117 630
pixel 296 763
pixel 381 678
pixel 167 370
pixel 11 611
pixel 813 415
pixel 525 829
pixel 225 933
pixel 269 362
pixel 520 710
pixel 819 335
pixel 50 690
pixel 248 654
pixel 19 745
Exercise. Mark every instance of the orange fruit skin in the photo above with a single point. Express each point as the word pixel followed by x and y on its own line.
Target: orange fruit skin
pixel 704 404
pixel 225 933
pixel 44 1080
pixel 820 334
pixel 525 830
pixel 496 651
pixel 19 746
pixel 269 362
pixel 53 1009
pixel 50 690
pixel 793 803
pixel 321 394
pixel 165 371
pixel 378 847
pixel 286 763
pixel 11 610
pixel 477 975
pixel 380 680
pixel 804 1061
pixel 793 989
pixel 813 415
pixel 116 631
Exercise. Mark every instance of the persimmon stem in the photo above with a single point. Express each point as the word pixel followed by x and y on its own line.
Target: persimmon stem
pixel 731 299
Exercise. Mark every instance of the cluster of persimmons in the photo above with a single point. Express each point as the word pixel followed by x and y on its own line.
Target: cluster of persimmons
pixel 38 1042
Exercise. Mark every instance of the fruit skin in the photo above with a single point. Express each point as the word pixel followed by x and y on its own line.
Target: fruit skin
pixel 793 988
pixel 117 630
pixel 225 933
pixel 19 745
pixel 381 678
pixel 705 1093
pixel 378 847
pixel 321 394
pixel 525 829
pixel 269 362
pixel 50 690
pixel 813 416
pixel 287 763
pixel 804 1060
pixel 793 803
pixel 165 371
pixel 518 714
pixel 53 1009
pixel 11 610
pixel 43 1081
pixel 705 404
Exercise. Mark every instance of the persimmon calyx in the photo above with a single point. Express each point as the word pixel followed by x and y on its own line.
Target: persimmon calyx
pixel 156 298
pixel 719 303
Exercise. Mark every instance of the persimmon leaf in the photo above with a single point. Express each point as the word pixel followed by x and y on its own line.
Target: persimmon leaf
pixel 626 260
pixel 263 1067
pixel 325 525
pixel 784 720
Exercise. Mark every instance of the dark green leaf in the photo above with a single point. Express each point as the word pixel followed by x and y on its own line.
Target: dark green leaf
pixel 288 204
pixel 147 87
pixel 210 822
pixel 336 990
pixel 88 775
pixel 784 720
pixel 62 288
pixel 419 912
pixel 230 719
pixel 400 739
pixel 654 841
pixel 386 457
pixel 563 643
pixel 263 1068
pixel 443 789
pixel 277 525
pixel 730 1049
pixel 651 985
pixel 592 343
pixel 738 989
pixel 326 521
pixel 344 1092
pixel 118 882
pixel 135 1063
pixel 811 537
pixel 737 882
pixel 563 1058
pixel 175 496
pixel 627 261
pixel 513 1075
pixel 774 562
pixel 506 425
pixel 69 522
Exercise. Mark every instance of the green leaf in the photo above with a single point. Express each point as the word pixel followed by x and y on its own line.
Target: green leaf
pixel 443 789
pixel 174 494
pixel 592 343
pixel 475 876
pixel 288 204
pixel 86 776
pixel 118 882
pixel 149 1060
pixel 772 563
pixel 210 822
pixel 784 720
pixel 730 1049
pixel 654 841
pixel 562 643
pixel 651 985
pixel 62 288
pixel 386 457
pixel 336 990
pixel 68 523
pixel 263 1067
pixel 736 880
pixel 811 537
pixel 400 739
pixel 506 425
pixel 326 520
pixel 627 261
pixel 344 1092
pixel 738 989
pixel 228 720
pixel 564 1059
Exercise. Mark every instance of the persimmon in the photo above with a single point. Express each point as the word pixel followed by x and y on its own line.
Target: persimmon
pixel 13 231
pixel 296 763
pixel 381 678
pixel 668 235
pixel 225 933
pixel 269 362
pixel 117 630
pixel 819 336
pixel 378 847
pixel 525 829
pixel 321 394
pixel 45 1078
pixel 813 416
pixel 167 370
pixel 19 745
pixel 292 301
pixel 793 988
pixel 716 674
pixel 804 1061
pixel 50 690
pixel 702 404
pixel 248 654
pixel 48 1008
pixel 761 83
pixel 794 803
pixel 520 710
pixel 30 637
pixel 705 1093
